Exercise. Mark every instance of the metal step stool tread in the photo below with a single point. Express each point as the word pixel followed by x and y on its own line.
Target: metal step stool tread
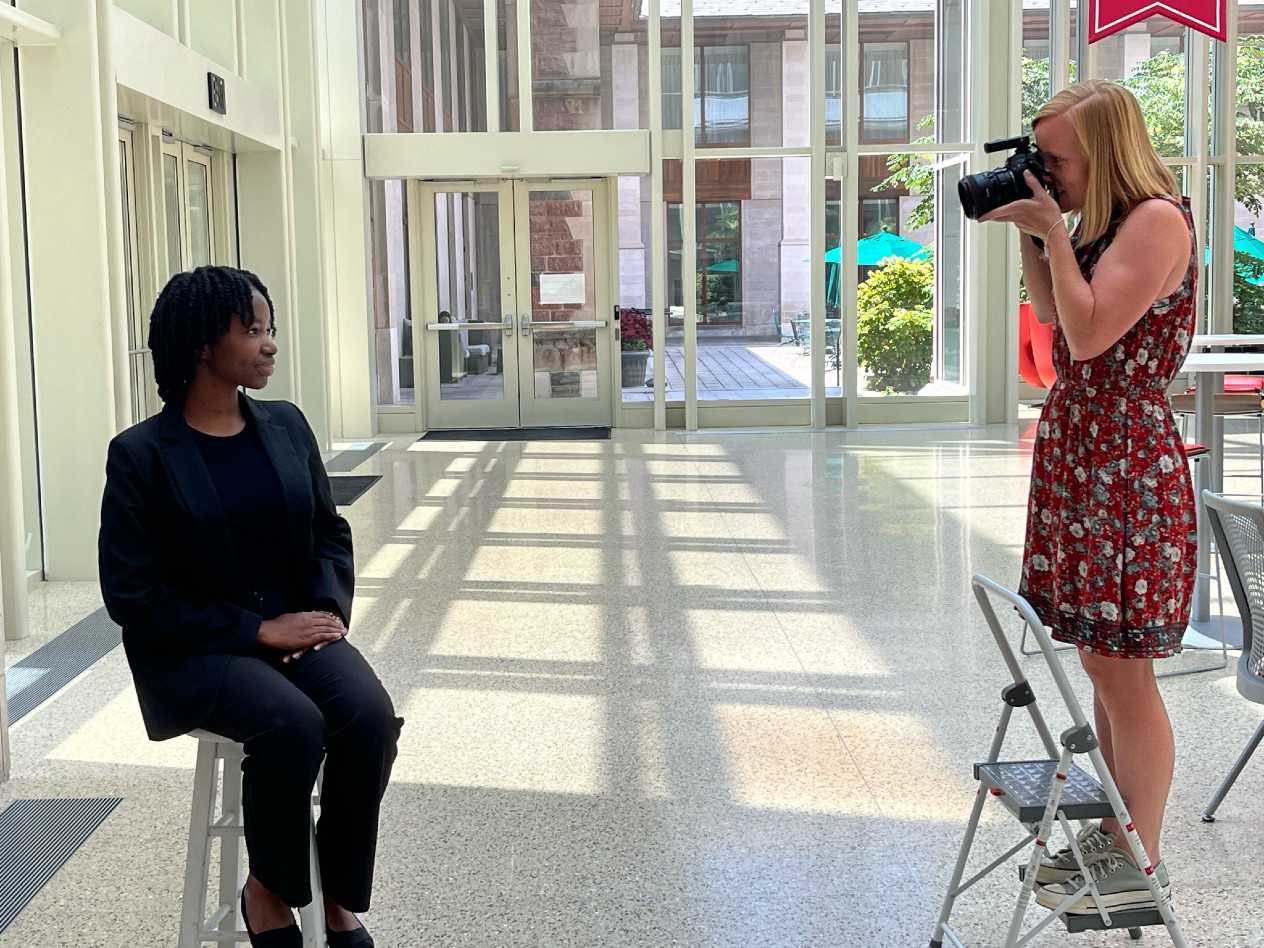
pixel 1131 918
pixel 1024 789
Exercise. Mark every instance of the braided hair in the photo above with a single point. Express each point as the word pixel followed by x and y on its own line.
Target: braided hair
pixel 194 310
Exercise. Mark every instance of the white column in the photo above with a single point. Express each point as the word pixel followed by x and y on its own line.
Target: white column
pixel 658 224
pixel 70 281
pixel 345 246
pixel 309 210
pixel 117 301
pixel 13 603
pixel 689 219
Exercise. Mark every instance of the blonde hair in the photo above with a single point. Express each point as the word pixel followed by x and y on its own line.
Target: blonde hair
pixel 1123 167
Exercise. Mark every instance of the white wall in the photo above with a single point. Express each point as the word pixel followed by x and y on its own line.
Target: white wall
pixel 70 280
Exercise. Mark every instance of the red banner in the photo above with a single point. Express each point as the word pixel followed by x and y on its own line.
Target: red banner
pixel 1111 16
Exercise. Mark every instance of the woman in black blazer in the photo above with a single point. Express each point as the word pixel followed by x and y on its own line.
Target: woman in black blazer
pixel 223 558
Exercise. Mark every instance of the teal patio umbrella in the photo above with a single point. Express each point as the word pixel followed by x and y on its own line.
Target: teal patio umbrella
pixel 1245 242
pixel 870 252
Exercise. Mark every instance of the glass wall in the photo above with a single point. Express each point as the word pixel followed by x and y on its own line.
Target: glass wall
pixel 424 72
pixel 588 70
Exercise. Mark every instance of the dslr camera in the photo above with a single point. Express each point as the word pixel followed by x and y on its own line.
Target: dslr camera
pixel 988 190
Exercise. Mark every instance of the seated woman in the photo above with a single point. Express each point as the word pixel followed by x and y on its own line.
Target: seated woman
pixel 228 567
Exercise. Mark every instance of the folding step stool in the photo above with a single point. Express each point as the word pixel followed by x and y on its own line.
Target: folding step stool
pixel 1038 792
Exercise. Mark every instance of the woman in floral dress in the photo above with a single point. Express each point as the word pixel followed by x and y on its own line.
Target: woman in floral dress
pixel 1109 561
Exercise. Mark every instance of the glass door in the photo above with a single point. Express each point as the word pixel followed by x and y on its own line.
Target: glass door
pixel 563 303
pixel 186 184
pixel 465 302
pixel 140 362
pixel 512 305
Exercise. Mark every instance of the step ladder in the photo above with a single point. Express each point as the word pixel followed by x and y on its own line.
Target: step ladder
pixel 1041 792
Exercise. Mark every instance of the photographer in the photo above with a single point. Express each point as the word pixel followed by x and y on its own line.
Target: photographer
pixel 1109 559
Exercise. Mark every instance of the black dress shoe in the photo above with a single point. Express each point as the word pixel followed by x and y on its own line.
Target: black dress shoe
pixel 356 938
pixel 288 937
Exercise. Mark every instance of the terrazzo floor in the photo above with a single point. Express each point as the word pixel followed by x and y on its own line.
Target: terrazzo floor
pixel 709 690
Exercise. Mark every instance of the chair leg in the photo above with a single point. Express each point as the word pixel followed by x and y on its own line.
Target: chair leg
pixel 312 916
pixel 197 859
pixel 230 843
pixel 1260 433
pixel 1209 814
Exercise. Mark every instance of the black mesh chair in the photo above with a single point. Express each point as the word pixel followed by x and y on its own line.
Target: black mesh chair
pixel 1239 532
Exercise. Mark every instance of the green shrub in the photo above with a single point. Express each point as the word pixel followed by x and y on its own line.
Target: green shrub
pixel 895 328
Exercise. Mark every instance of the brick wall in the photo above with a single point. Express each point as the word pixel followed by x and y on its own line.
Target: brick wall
pixel 566 65
pixel 558 230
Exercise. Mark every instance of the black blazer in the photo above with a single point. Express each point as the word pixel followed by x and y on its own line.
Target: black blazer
pixel 170 574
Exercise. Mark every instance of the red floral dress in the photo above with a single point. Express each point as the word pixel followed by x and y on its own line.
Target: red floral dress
pixel 1111 551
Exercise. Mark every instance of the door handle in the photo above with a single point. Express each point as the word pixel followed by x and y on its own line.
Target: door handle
pixel 508 323
pixel 524 323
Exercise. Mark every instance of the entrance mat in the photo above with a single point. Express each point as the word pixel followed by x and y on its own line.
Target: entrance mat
pixel 38 837
pixel 348 488
pixel 36 678
pixel 518 434
pixel 349 460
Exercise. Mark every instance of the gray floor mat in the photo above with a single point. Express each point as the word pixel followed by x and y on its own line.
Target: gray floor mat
pixel 38 837
pixel 345 461
pixel 36 678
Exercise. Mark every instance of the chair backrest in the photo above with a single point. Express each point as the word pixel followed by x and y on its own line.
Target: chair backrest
pixel 1239 532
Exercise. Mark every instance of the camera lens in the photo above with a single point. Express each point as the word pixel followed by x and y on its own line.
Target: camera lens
pixel 986 191
pixel 970 193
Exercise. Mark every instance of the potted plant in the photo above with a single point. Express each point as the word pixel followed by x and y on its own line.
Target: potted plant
pixel 636 341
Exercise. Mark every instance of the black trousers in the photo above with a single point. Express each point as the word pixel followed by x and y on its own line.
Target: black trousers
pixel 328 705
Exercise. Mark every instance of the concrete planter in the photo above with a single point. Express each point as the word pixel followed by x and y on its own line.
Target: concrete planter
pixel 634 368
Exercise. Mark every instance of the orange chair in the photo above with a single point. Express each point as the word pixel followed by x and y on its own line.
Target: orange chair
pixel 1035 349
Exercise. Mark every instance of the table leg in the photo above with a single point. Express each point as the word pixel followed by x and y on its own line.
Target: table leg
pixel 1208 384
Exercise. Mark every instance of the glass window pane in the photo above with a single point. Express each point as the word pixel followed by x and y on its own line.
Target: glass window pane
pixel 751 81
pixel 1035 63
pixel 564 362
pixel 373 28
pixel 402 67
pixel 135 359
pixel 753 280
pixel 199 215
pixel 910 332
pixel 392 322
pixel 635 328
pixel 1149 58
pixel 171 207
pixel 470 361
pixel 1248 251
pixel 912 72
pixel 1250 82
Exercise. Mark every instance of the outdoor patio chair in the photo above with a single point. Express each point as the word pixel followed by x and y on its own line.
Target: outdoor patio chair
pixel 1239 532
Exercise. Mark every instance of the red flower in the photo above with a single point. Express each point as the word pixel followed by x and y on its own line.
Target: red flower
pixel 635 330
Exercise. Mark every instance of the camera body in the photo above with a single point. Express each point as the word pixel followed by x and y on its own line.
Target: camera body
pixel 986 191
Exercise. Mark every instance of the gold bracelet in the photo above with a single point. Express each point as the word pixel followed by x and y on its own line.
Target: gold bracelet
pixel 1050 231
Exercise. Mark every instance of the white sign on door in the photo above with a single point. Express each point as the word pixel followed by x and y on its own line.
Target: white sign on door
pixel 562 288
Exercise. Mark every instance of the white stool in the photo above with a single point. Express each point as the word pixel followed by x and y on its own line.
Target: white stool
pixel 220 926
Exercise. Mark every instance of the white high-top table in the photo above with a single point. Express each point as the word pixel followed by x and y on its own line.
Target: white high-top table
pixel 1227 340
pixel 1208 370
